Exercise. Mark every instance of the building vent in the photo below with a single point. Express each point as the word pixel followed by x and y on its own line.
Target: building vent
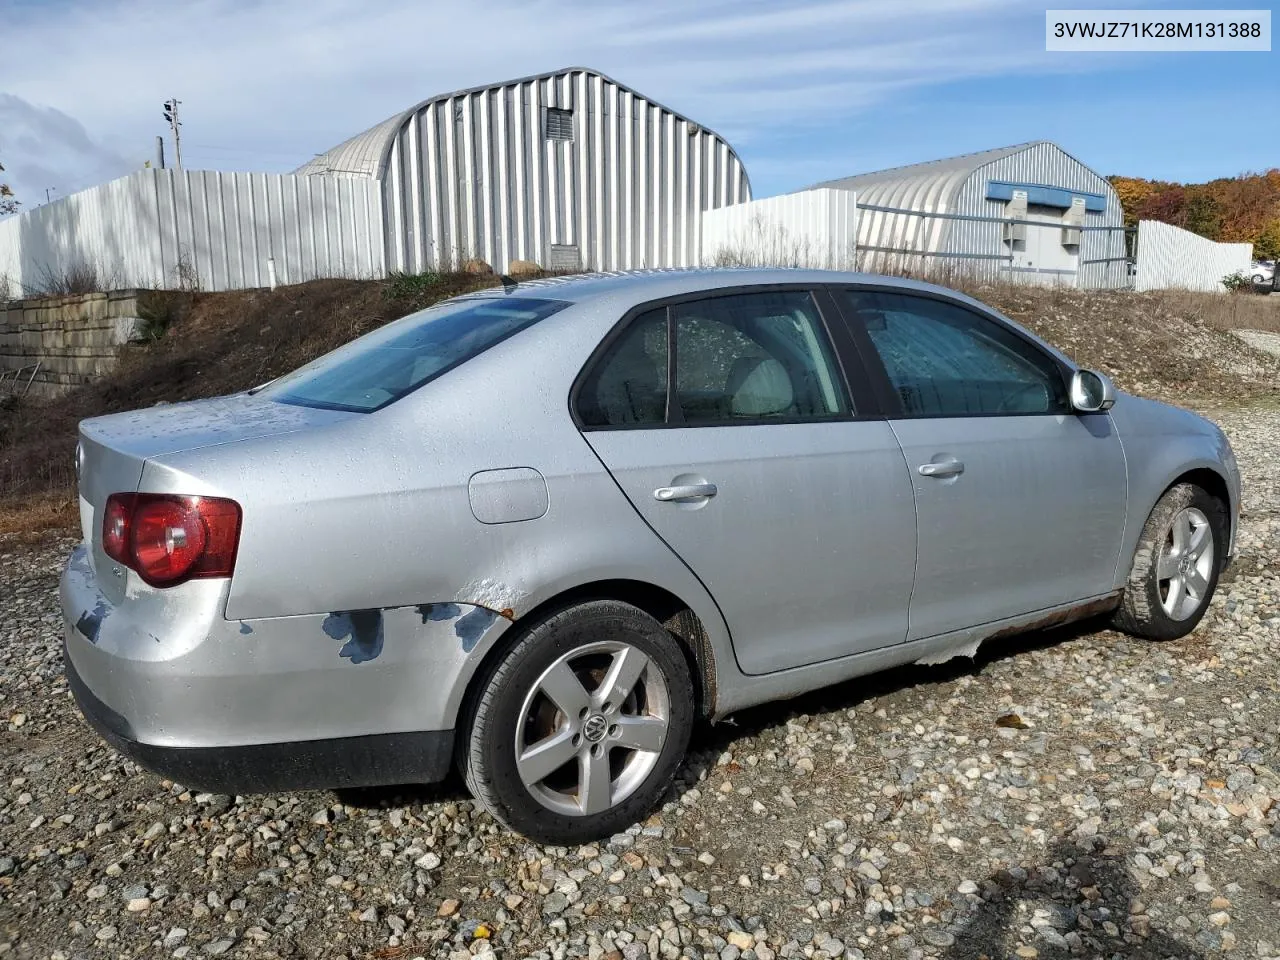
pixel 564 258
pixel 1072 222
pixel 559 124
pixel 1015 210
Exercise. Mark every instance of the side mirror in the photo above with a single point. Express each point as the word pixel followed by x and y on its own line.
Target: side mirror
pixel 1091 392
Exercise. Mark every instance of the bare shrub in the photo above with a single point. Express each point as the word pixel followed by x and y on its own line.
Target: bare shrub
pixel 77 277
pixel 765 244
pixel 185 272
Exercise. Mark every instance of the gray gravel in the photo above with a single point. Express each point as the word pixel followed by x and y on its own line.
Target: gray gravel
pixel 1079 793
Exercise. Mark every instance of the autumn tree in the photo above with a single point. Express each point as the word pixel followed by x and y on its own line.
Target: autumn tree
pixel 1243 209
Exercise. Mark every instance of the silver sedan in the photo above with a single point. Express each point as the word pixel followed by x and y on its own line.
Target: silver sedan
pixel 540 531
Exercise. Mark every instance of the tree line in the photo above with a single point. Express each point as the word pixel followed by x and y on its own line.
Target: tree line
pixel 1243 209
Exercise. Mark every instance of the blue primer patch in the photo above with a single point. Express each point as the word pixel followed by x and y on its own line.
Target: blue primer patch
pixel 439 611
pixel 364 627
pixel 90 622
pixel 472 627
pixel 245 628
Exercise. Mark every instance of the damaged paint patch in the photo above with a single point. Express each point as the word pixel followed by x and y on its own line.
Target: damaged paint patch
pixel 363 627
pixel 438 611
pixel 969 649
pixel 245 628
pixel 472 627
pixel 494 594
pixel 90 622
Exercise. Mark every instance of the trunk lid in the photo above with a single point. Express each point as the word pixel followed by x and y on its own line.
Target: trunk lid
pixel 113 450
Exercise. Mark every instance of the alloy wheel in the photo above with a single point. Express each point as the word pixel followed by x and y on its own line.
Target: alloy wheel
pixel 1185 567
pixel 592 728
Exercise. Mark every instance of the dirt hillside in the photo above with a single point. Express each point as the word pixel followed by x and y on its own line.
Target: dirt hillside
pixel 1174 347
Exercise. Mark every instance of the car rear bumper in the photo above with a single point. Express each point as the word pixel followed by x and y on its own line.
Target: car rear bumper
pixel 363 761
pixel 348 698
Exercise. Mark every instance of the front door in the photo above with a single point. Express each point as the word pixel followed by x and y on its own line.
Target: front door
pixel 756 471
pixel 1020 502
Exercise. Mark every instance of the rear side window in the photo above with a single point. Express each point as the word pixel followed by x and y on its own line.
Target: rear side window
pixel 381 367
pixel 946 361
pixel 629 385
pixel 754 357
pixel 740 358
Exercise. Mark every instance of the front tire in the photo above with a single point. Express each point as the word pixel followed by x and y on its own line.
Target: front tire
pixel 579 729
pixel 1176 566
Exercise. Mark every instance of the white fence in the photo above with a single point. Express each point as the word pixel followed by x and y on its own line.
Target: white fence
pixel 813 228
pixel 1169 258
pixel 170 229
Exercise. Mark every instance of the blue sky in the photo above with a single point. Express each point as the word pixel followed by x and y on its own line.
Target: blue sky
pixel 805 91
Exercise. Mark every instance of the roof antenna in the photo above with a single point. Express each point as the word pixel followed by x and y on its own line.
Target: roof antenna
pixel 507 283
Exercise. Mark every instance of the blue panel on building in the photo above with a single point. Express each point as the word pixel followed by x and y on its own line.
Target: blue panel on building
pixel 1043 196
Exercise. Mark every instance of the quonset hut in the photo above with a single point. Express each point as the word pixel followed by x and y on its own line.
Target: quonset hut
pixel 1028 213
pixel 569 169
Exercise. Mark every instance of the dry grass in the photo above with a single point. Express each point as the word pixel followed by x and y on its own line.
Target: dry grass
pixel 35 516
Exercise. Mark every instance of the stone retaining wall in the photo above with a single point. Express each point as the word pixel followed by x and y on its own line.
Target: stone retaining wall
pixel 75 339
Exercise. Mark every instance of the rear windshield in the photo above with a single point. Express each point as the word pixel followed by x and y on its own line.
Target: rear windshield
pixel 381 367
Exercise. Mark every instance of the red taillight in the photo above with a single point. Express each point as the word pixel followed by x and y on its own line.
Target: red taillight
pixel 167 539
pixel 115 527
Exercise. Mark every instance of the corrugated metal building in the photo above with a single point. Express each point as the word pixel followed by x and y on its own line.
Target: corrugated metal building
pixel 1030 212
pixel 568 169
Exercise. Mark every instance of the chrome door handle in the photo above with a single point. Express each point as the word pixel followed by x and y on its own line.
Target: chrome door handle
pixel 945 468
pixel 685 491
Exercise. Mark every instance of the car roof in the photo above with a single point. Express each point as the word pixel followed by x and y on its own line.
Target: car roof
pixel 642 285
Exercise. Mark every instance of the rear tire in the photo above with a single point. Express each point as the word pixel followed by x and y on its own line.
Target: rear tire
pixel 1176 566
pixel 578 730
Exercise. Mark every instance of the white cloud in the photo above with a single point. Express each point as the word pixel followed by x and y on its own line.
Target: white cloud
pixel 45 148
pixel 266 85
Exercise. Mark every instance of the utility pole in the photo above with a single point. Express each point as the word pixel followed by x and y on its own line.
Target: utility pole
pixel 171 114
pixel 47 191
pixel 159 153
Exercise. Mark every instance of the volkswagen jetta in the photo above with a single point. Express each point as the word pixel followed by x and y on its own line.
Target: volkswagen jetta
pixel 538 531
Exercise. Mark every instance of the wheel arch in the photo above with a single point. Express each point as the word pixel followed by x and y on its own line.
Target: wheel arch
pixel 677 616
pixel 1206 475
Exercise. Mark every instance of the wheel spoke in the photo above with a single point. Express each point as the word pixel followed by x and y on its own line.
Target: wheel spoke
pixel 628 663
pixel 1166 567
pixel 1174 597
pixel 562 687
pixel 1197 585
pixel 641 733
pixel 1199 539
pixel 545 757
pixel 595 785
pixel 1181 533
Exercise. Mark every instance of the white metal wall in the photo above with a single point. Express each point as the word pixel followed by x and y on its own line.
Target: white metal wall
pixel 815 228
pixel 1170 258
pixel 473 175
pixel 165 229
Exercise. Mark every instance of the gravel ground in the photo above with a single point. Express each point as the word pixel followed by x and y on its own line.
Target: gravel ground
pixel 1263 340
pixel 1077 793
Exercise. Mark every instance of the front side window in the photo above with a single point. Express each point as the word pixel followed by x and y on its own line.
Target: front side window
pixel 754 357
pixel 944 360
pixel 381 367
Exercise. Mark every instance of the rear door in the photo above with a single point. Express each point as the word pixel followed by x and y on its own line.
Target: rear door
pixel 728 423
pixel 1020 502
